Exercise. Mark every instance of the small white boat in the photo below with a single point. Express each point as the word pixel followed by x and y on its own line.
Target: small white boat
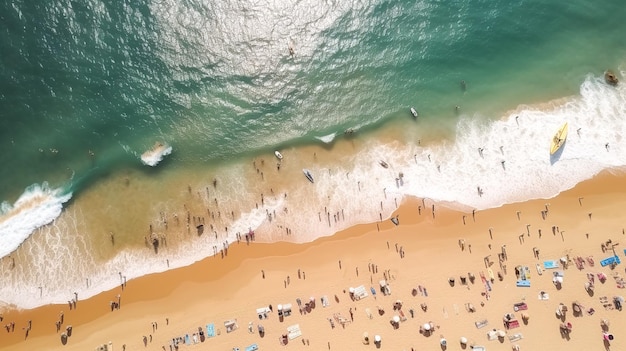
pixel 414 113
pixel 308 175
pixel 278 155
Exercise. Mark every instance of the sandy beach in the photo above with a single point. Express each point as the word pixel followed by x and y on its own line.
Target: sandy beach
pixel 418 257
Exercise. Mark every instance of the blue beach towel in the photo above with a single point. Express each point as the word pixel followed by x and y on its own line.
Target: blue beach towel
pixel 187 341
pixel 252 347
pixel 210 330
pixel 551 264
pixel 610 260
pixel 523 283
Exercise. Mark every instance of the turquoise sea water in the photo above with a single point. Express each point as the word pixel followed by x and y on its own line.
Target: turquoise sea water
pixel 217 82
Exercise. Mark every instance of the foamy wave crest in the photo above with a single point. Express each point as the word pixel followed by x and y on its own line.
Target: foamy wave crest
pixel 508 160
pixel 48 268
pixel 38 206
pixel 155 155
pixel 488 164
pixel 327 139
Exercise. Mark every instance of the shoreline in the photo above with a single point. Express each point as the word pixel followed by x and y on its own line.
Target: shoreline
pixel 485 164
pixel 240 269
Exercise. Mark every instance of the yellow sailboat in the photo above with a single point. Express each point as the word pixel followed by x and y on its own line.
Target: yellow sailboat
pixel 559 139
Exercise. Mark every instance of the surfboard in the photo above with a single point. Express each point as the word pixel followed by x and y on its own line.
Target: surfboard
pixel 559 139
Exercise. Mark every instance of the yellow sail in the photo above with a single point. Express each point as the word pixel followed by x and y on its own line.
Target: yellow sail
pixel 559 139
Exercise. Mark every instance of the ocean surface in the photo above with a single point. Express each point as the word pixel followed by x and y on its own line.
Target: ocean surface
pixel 214 87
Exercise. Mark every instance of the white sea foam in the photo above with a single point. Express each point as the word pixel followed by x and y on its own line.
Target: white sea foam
pixel 63 270
pixel 155 155
pixel 38 206
pixel 326 139
pixel 515 164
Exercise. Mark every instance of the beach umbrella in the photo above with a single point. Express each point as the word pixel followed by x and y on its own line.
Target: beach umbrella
pixel 377 338
pixel 426 326
pixel 351 290
pixel 279 307
pixel 501 333
pixel 396 319
pixel 463 340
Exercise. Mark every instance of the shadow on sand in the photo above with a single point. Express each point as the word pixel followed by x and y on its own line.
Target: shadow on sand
pixel 557 155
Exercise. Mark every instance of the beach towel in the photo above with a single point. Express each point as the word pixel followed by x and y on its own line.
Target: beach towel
pixel 187 340
pixel 523 283
pixel 210 330
pixel 252 347
pixel 481 323
pixel 544 296
pixel 551 264
pixel 610 260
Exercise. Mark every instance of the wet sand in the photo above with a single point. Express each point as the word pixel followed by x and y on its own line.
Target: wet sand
pixel 215 290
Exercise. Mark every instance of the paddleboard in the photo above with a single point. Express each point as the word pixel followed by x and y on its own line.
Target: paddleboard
pixel 308 175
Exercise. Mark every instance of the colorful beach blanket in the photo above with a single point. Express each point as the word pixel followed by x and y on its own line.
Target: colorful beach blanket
pixel 210 330
pixel 523 283
pixel 551 264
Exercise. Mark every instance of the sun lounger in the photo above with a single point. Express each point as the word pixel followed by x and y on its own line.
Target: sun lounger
pixel 253 347
pixel 523 283
pixel 294 331
pixel 492 335
pixel 551 264
pixel 520 306
pixel 231 325
pixel 210 330
pixel 360 293
pixel 513 323
pixel 478 348
pixel 402 316
pixel 481 323
pixel 515 337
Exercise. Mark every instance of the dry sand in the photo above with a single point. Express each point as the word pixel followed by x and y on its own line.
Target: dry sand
pixel 215 290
